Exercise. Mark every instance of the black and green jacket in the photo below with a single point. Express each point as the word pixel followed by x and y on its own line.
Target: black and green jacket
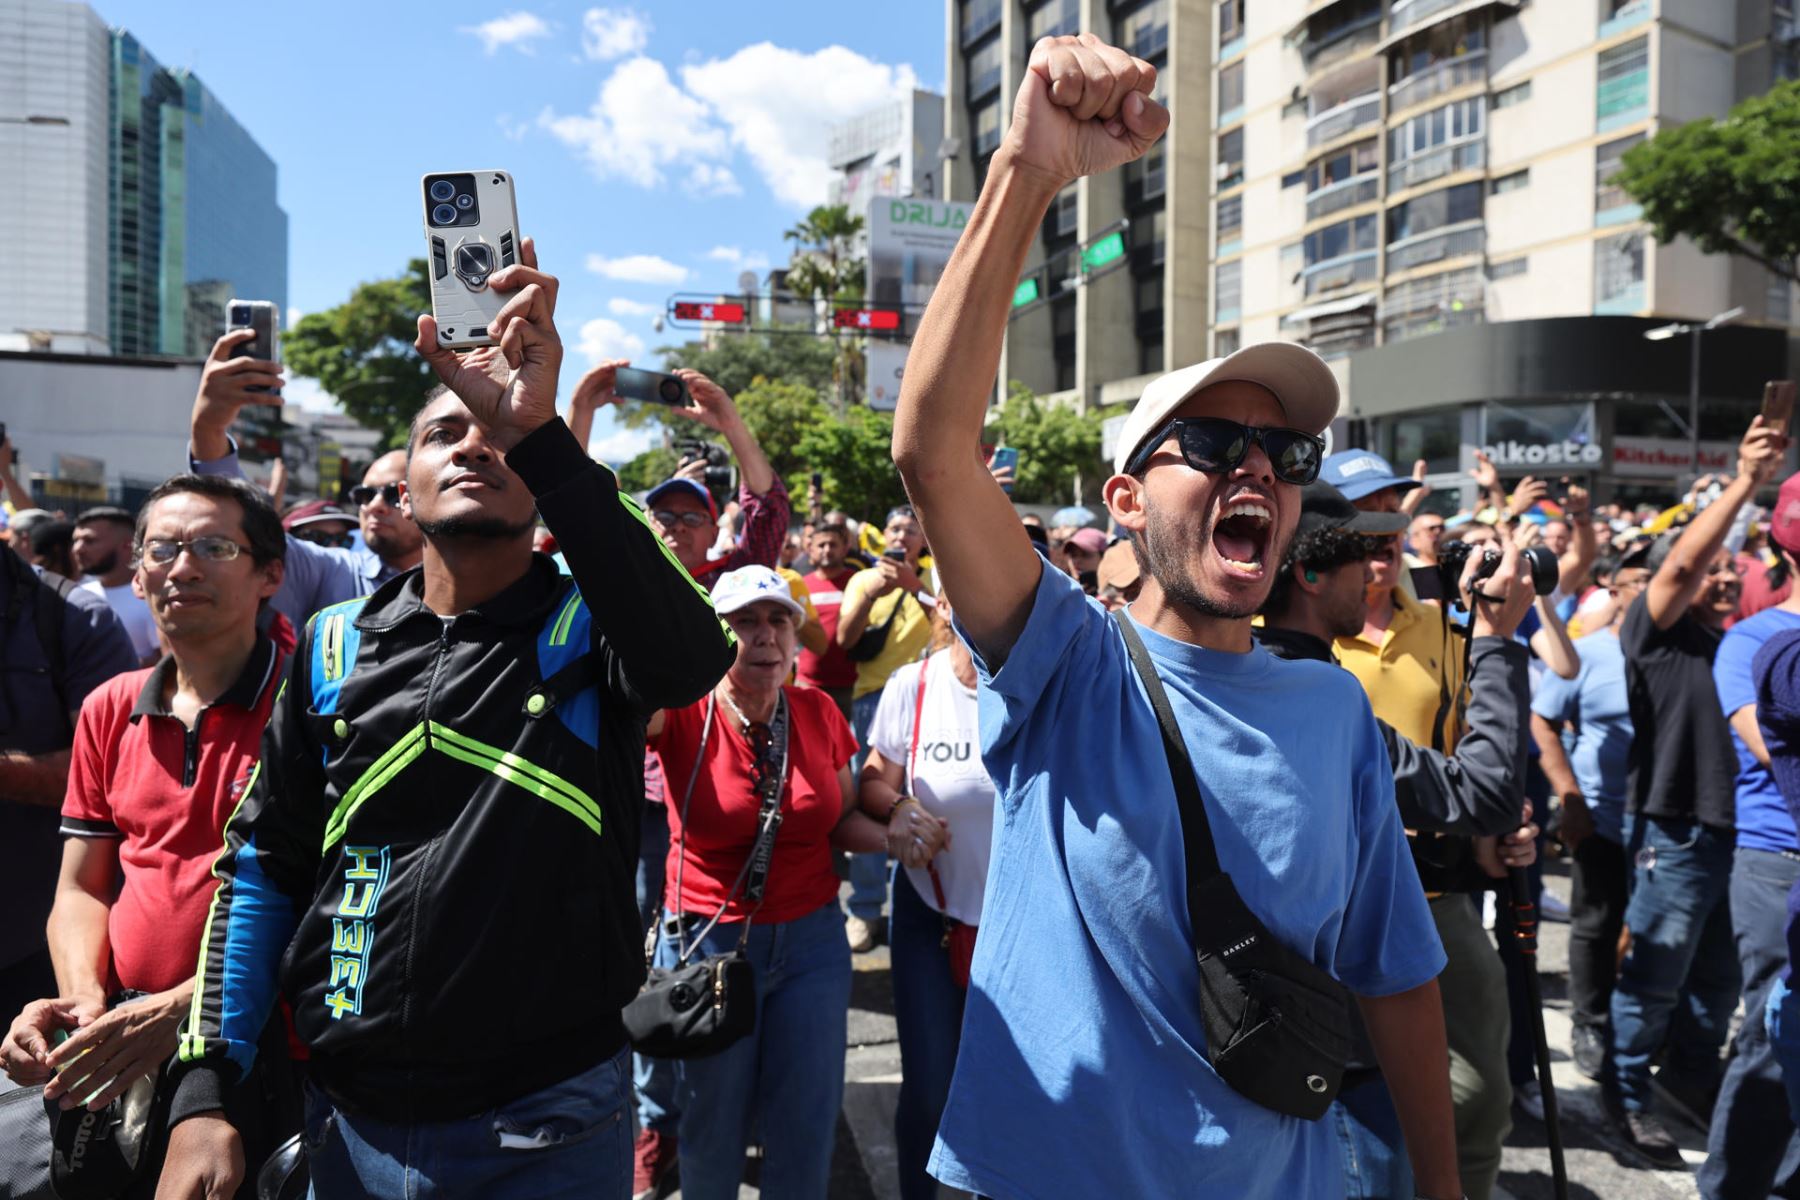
pixel 434 861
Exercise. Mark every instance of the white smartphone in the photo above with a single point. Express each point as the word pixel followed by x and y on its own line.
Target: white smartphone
pixel 472 231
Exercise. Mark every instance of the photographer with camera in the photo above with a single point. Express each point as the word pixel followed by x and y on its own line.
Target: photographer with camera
pixel 1319 595
pixel 1682 816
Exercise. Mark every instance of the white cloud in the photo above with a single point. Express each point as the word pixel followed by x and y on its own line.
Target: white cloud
pixel 515 29
pixel 779 105
pixel 639 124
pixel 511 130
pixel 637 268
pixel 618 306
pixel 609 33
pixel 774 105
pixel 622 445
pixel 604 337
pixel 735 256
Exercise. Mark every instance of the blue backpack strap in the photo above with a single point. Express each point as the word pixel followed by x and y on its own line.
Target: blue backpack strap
pixel 570 677
pixel 335 641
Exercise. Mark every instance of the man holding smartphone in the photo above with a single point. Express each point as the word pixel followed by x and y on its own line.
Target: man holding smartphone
pixel 444 820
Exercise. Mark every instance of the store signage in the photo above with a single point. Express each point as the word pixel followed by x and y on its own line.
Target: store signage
pixel 1512 455
pixel 1664 457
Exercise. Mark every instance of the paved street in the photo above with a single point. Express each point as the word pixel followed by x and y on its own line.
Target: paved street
pixel 1601 1166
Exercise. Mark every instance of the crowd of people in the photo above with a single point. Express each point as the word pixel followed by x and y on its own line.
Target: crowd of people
pixel 350 835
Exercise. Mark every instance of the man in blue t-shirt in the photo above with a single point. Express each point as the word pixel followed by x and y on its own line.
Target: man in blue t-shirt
pixel 1590 774
pixel 1752 1149
pixel 1083 1069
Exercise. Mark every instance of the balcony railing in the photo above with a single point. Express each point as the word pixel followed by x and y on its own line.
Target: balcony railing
pixel 1343 45
pixel 1410 13
pixel 1435 164
pixel 1435 246
pixel 1628 16
pixel 1446 76
pixel 1346 193
pixel 1336 338
pixel 1347 117
pixel 1339 272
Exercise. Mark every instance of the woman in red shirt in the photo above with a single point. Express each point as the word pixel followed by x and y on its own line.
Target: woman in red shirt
pixel 787 1077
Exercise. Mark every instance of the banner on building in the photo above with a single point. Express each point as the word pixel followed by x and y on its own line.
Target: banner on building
pixel 886 361
pixel 910 243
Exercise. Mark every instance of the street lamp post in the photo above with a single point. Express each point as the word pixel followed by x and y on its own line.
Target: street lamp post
pixel 1693 329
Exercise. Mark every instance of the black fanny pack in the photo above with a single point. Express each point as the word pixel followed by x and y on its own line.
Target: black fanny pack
pixel 1277 1027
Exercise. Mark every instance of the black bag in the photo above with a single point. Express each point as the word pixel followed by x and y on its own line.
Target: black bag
pixel 874 638
pixel 1277 1027
pixel 694 1009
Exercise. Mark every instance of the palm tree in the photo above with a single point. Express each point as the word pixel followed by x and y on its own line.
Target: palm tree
pixel 825 265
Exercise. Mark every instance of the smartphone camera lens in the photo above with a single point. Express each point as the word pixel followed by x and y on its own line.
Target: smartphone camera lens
pixel 443 214
pixel 442 190
pixel 465 202
pixel 670 391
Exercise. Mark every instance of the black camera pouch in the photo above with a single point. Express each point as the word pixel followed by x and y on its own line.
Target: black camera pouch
pixel 1277 1027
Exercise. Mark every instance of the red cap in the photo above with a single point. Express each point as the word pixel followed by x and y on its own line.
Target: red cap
pixel 1784 522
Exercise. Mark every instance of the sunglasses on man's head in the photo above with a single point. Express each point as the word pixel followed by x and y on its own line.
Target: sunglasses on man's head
pixel 364 495
pixel 1214 446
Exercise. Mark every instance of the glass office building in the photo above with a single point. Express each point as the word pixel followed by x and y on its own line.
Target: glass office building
pixel 193 218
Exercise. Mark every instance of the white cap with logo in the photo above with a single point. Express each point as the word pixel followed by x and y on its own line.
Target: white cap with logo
pixel 1299 379
pixel 747 585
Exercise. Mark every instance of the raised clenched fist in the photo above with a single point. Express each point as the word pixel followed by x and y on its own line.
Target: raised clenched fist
pixel 1084 108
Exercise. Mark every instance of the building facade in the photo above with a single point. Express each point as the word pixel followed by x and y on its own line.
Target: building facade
pixel 149 204
pixel 888 151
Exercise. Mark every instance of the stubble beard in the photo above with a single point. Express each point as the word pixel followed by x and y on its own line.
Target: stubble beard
pixel 1163 543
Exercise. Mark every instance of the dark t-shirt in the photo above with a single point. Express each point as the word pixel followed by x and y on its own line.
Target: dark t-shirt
pixel 1682 763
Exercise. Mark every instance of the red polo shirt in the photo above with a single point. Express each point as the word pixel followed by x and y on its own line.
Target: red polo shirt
pixel 138 775
pixel 834 668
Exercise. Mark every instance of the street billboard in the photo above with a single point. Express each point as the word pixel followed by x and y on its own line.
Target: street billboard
pixel 910 242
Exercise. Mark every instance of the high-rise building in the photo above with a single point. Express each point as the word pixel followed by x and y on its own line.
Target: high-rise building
pixel 1423 190
pixel 890 150
pixel 149 204
pixel 1094 335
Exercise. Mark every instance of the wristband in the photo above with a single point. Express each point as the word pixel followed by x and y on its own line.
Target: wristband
pixel 902 798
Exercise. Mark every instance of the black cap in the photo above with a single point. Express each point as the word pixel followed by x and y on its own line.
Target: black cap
pixel 1637 554
pixel 1324 507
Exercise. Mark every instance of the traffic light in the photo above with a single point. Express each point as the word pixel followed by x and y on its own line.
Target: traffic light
pixel 710 310
pixel 875 320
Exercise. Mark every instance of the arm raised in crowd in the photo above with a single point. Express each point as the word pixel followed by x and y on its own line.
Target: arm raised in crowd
pixel 652 622
pixel 1683 573
pixel 762 498
pixel 1084 108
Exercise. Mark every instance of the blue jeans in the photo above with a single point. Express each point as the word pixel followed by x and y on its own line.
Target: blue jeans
pixel 571 1139
pixel 786 1078
pixel 653 1079
pixel 1374 1150
pixel 868 872
pixel 928 1010
pixel 1680 981
pixel 1751 1148
pixel 1782 1020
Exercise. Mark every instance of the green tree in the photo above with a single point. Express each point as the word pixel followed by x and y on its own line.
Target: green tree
pixel 361 351
pixel 779 413
pixel 737 360
pixel 1731 184
pixel 854 455
pixel 648 469
pixel 1059 448
pixel 824 262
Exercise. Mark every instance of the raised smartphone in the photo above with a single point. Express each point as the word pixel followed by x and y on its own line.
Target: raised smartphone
pixel 265 318
pixel 1778 405
pixel 471 231
pixel 651 387
pixel 1006 456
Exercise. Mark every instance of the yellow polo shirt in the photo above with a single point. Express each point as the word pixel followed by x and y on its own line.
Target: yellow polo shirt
pixel 907 636
pixel 1406 677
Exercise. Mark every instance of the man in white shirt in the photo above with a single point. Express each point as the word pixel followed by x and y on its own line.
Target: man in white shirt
pixel 103 552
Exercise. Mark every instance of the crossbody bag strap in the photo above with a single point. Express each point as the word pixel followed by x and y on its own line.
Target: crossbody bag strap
pixel 1196 831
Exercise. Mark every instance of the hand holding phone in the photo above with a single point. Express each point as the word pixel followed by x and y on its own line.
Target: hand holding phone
pixel 1006 458
pixel 651 387
pixel 1778 405
pixel 471 233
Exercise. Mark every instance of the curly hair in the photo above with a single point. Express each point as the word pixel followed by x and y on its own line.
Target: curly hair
pixel 1316 550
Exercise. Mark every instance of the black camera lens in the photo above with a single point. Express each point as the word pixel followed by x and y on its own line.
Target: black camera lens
pixel 442 190
pixel 1546 572
pixel 465 201
pixel 443 214
pixel 669 390
pixel 240 314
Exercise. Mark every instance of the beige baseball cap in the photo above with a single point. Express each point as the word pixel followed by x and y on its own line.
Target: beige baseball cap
pixel 1300 380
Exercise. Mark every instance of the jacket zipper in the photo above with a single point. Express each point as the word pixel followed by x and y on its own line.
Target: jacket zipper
pixel 418 891
pixel 437 665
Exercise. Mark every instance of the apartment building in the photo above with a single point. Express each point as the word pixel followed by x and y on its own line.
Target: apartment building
pixel 1421 191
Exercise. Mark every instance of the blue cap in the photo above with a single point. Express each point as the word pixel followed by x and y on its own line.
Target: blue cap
pixel 1359 473
pixel 678 484
pixel 1076 515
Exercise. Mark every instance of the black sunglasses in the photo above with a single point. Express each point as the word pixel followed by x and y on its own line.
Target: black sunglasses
pixel 364 495
pixel 1214 446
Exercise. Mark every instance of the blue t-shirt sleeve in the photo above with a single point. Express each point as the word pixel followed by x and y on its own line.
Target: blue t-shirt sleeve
pixel 95 645
pixel 1555 698
pixel 1389 943
pixel 1062 619
pixel 1731 671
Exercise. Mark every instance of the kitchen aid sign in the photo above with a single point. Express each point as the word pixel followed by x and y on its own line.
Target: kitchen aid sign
pixel 1543 454
pixel 1669 456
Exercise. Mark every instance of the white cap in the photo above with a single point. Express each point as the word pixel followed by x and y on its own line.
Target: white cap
pixel 747 585
pixel 1300 380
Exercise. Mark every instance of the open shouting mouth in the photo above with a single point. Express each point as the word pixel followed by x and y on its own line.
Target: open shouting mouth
pixel 1241 535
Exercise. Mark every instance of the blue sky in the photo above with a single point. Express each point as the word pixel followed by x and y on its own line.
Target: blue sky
pixel 657 147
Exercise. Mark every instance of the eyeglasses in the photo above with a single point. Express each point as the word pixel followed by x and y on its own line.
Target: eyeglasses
pixel 213 548
pixel 339 540
pixel 1214 446
pixel 364 494
pixel 669 520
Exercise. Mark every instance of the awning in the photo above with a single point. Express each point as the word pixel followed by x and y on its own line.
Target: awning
pixel 1437 18
pixel 1331 308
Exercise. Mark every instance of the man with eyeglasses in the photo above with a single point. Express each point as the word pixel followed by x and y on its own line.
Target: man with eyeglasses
pixel 317 575
pixel 161 757
pixel 1422 538
pixel 1083 1068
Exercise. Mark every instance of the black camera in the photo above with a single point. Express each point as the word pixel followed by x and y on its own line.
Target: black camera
pixel 1454 556
pixel 717 459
